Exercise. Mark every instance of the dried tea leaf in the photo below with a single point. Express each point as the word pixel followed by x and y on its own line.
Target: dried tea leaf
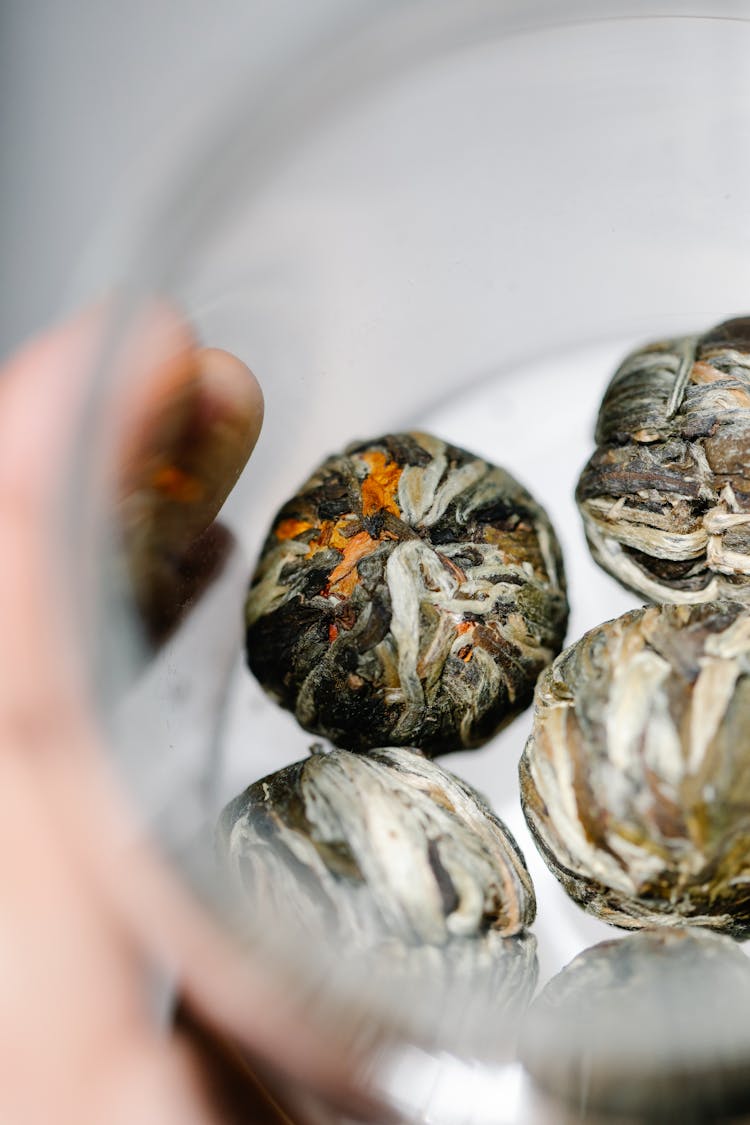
pixel 665 499
pixel 635 781
pixel 374 847
pixel 409 594
pixel 655 1027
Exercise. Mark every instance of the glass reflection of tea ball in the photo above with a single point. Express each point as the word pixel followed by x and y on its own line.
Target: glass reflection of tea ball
pixel 655 1026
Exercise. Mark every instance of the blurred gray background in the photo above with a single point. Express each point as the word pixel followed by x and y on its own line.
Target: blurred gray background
pixel 87 88
pixel 90 90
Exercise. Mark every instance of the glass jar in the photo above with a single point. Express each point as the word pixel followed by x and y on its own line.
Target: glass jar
pixel 455 218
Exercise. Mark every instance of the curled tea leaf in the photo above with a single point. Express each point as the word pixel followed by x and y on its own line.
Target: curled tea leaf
pixel 373 847
pixel 635 781
pixel 665 499
pixel 409 594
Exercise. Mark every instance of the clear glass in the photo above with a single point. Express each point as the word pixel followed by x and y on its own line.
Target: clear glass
pixel 456 218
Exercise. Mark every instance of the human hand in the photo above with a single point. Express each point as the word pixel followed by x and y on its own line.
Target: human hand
pixel 88 909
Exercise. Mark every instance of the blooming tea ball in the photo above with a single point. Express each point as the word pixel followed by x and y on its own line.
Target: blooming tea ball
pixel 652 1027
pixel 375 846
pixel 635 781
pixel 665 499
pixel 409 594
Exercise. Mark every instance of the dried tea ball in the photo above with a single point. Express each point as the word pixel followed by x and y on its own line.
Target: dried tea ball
pixel 385 888
pixel 665 499
pixel 375 846
pixel 409 594
pixel 635 781
pixel 655 1026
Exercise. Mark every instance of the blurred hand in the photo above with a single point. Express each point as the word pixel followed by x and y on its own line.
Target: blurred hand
pixel 88 911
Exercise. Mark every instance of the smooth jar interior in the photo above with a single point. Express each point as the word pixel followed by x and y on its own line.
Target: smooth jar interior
pixel 511 196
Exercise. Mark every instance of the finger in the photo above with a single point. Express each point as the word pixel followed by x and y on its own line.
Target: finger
pixel 188 420
pixel 186 443
pixel 186 451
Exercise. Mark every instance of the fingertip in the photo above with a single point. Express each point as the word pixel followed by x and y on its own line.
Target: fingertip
pixel 231 390
pixel 186 456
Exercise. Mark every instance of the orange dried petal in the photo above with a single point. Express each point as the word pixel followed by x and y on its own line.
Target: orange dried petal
pixel 380 487
pixel 344 576
pixel 291 528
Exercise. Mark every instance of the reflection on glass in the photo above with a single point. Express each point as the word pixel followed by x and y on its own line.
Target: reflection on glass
pixel 655 1026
